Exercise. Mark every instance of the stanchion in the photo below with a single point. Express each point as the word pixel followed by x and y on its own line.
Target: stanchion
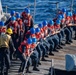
pixel 52 71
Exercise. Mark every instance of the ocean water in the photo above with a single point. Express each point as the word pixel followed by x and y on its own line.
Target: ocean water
pixel 44 9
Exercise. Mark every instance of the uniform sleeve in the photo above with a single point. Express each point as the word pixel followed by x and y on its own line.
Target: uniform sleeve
pixel 11 45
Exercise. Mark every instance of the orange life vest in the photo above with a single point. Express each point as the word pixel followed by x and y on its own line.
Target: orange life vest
pixel 74 18
pixel 67 20
pixel 26 19
pixel 13 26
pixel 42 33
pixel 45 30
pixel 27 51
pixel 19 23
pixel 33 35
pixel 33 46
pixel 38 36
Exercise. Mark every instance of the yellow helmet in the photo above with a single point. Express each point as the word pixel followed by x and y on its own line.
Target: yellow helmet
pixel 9 31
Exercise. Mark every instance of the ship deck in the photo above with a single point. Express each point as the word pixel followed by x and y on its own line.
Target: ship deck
pixel 58 61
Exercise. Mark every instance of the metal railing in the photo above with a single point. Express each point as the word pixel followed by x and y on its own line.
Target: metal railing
pixel 28 6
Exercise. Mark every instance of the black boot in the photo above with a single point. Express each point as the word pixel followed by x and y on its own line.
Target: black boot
pixel 50 53
pixel 67 42
pixel 60 47
pixel 63 44
pixel 36 69
pixel 55 50
pixel 74 38
pixel 27 70
pixel 70 41
pixel 39 63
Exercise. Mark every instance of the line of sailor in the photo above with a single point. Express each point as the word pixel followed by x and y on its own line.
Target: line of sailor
pixel 35 43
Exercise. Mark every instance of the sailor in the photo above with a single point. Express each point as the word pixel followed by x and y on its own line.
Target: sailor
pixel 20 28
pixel 74 21
pixel 31 33
pixel 67 29
pixel 27 19
pixel 45 29
pixel 5 44
pixel 51 33
pixel 13 24
pixel 62 34
pixel 34 55
pixel 64 23
pixel 57 27
pixel 62 27
pixel 23 53
pixel 12 13
pixel 40 46
pixel 10 32
pixel 48 41
pixel 70 22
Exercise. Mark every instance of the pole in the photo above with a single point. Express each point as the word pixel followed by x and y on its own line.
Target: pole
pixel 34 10
pixel 57 6
pixel 6 8
pixel 71 8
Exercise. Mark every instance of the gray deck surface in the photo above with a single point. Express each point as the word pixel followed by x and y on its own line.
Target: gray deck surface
pixel 59 61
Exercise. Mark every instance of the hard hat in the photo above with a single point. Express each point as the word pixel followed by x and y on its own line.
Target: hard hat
pixel 63 10
pixel 17 15
pixel 44 23
pixel 37 30
pixel 40 25
pixel 9 31
pixel 58 22
pixel 51 22
pixel 29 41
pixel 67 13
pixel 1 23
pixel 27 10
pixel 32 30
pixel 13 18
pixel 60 17
pixel 12 13
pixel 34 40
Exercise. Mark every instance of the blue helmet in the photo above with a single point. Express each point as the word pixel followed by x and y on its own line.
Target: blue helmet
pixel 27 10
pixel 67 13
pixel 63 10
pixel 12 13
pixel 17 15
pixel 40 25
pixel 29 41
pixel 34 40
pixel 37 30
pixel 32 30
pixel 13 18
pixel 44 23
pixel 60 17
pixel 51 22
pixel 1 23
pixel 58 22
